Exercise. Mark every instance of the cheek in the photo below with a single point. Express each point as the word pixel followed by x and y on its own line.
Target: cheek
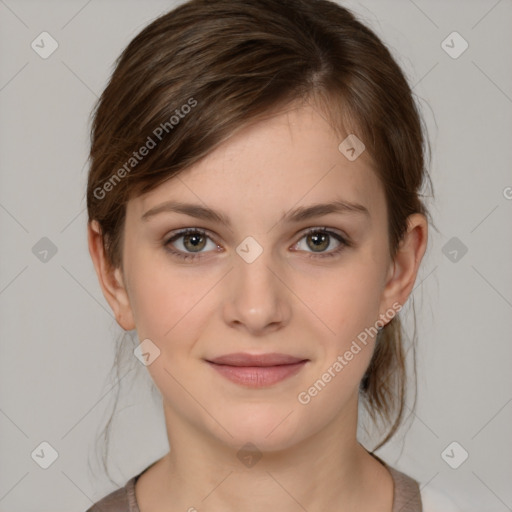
pixel 164 297
pixel 345 340
pixel 342 302
pixel 347 306
pixel 169 309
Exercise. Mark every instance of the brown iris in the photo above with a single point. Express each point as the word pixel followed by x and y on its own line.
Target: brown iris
pixel 320 241
pixel 197 242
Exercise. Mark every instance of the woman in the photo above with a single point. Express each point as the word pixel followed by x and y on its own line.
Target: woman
pixel 255 214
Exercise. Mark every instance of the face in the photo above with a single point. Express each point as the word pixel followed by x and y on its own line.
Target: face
pixel 272 279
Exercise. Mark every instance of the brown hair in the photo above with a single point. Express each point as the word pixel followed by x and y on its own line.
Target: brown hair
pixel 204 70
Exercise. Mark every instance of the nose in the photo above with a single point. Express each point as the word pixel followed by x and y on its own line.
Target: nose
pixel 257 299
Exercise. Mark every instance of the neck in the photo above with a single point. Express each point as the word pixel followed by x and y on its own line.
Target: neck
pixel 325 470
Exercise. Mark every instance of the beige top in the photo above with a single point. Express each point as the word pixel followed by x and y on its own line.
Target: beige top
pixel 406 495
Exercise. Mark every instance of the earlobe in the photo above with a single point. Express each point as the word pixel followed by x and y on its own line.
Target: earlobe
pixel 110 279
pixel 405 266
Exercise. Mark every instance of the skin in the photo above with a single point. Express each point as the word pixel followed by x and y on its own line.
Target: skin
pixel 289 300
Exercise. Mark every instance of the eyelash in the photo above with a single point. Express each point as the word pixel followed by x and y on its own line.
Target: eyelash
pixel 189 256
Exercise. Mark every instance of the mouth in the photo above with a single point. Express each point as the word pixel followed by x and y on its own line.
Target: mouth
pixel 257 371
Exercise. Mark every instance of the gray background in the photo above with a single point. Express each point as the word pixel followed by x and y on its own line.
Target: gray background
pixel 58 333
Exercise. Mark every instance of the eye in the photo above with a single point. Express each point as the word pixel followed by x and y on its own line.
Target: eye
pixel 188 244
pixel 194 241
pixel 319 239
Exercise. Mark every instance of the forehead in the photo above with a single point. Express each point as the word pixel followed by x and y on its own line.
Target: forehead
pixel 286 160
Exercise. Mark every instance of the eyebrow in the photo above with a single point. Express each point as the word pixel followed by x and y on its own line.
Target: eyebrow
pixel 296 215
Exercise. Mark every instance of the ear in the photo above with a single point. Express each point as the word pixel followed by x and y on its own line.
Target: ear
pixel 404 268
pixel 111 279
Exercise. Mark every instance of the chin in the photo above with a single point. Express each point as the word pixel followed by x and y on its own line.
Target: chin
pixel 268 428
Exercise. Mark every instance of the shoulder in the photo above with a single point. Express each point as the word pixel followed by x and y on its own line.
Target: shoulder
pixel 434 500
pixel 410 496
pixel 406 495
pixel 121 500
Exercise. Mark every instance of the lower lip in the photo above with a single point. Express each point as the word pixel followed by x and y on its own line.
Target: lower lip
pixel 258 376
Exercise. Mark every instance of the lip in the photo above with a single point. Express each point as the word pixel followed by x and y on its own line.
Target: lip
pixel 245 359
pixel 257 370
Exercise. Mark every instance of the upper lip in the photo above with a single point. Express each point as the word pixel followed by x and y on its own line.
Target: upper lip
pixel 243 359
